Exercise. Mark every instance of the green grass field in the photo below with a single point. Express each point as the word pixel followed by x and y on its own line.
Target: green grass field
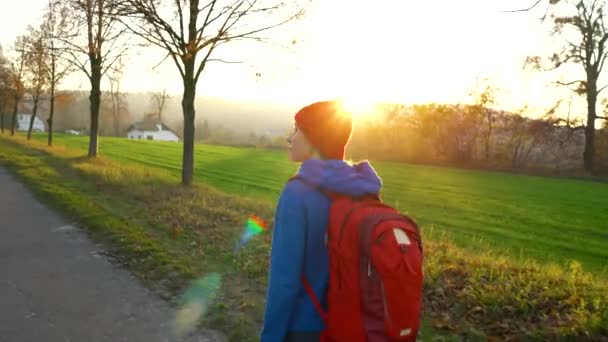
pixel 547 219
pixel 130 201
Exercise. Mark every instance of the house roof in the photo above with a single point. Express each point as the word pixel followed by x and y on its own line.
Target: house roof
pixel 149 125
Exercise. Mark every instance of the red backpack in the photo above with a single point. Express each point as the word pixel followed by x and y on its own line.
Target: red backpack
pixel 375 277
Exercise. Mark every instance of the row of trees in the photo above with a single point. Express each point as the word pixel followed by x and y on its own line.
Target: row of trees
pixel 36 69
pixel 94 37
pixel 474 135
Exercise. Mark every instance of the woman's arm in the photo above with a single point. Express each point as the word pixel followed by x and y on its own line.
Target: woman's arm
pixel 286 259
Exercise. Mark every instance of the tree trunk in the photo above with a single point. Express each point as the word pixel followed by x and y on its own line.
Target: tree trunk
pixel 589 154
pixel 33 118
pixel 2 117
pixel 116 124
pixel 488 136
pixel 115 97
pixel 117 113
pixel 189 113
pixel 95 100
pixel 51 113
pixel 14 119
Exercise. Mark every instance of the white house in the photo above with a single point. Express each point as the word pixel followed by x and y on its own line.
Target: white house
pixel 151 130
pixel 23 123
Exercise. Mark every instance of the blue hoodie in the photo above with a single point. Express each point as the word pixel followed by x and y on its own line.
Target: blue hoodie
pixel 298 243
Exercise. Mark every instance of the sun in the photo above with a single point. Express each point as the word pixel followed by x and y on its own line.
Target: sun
pixel 359 107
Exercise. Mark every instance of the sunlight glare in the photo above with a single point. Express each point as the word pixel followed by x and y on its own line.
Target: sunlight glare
pixel 359 107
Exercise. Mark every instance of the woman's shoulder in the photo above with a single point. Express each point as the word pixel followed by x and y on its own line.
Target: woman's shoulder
pixel 295 186
pixel 298 188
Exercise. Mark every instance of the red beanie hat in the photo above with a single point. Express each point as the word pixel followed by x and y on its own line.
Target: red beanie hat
pixel 327 127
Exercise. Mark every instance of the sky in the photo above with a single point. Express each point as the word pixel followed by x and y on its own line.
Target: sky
pixel 389 50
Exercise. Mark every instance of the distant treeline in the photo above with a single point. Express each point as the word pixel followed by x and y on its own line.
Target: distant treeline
pixel 455 135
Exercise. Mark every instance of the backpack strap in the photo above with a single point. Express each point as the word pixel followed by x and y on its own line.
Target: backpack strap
pixel 334 195
pixel 305 282
pixel 314 299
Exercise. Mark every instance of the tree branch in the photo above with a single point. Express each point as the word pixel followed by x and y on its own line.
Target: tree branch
pixel 76 62
pixel 223 61
pixel 603 60
pixel 112 46
pixel 524 9
pixel 238 16
pixel 213 41
pixel 257 39
pixel 158 22
pixel 206 23
pixel 147 35
pixel 158 39
pixel 223 11
pixel 181 19
pixel 600 51
pixel 113 59
pixel 148 13
pixel 567 84
pixel 73 45
pixel 161 62
pixel 204 62
pixel 252 32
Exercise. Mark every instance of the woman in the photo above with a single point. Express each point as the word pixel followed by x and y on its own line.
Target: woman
pixel 321 135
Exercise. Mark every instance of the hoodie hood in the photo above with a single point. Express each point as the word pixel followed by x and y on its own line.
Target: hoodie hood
pixel 340 177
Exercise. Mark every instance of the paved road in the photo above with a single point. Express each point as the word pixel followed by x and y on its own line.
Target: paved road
pixel 55 285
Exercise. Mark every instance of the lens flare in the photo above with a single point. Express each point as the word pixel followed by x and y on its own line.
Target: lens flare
pixel 195 302
pixel 255 225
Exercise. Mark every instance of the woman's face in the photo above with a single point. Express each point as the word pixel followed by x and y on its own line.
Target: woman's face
pixel 299 147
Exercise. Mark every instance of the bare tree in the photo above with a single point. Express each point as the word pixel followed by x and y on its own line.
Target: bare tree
pixel 54 28
pixel 484 101
pixel 191 31
pixel 392 120
pixel 116 97
pixel 587 23
pixel 158 99
pixel 564 131
pixel 36 70
pixel 525 135
pixel 96 23
pixel 17 75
